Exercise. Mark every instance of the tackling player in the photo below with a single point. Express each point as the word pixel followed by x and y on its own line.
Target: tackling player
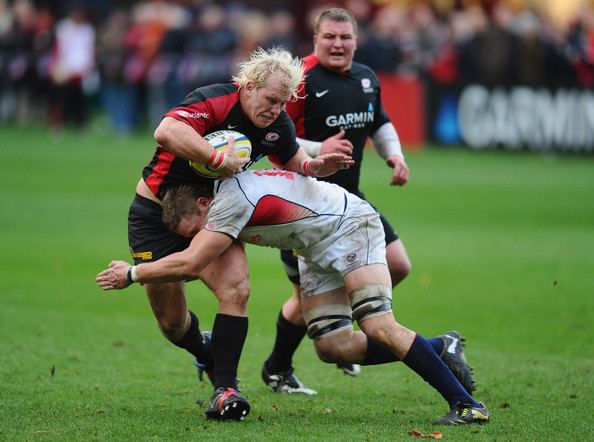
pixel 342 263
pixel 341 109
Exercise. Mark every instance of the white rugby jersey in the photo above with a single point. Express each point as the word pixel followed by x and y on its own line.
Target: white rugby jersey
pixel 280 209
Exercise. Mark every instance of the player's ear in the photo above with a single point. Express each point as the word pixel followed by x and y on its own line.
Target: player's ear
pixel 202 203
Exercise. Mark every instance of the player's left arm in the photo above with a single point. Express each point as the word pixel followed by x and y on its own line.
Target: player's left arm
pixel 387 144
pixel 185 265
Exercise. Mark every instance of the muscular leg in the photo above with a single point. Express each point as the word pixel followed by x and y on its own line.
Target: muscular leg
pixel 227 277
pixel 340 344
pixel 291 309
pixel 398 261
pixel 290 330
pixel 176 322
pixel 408 346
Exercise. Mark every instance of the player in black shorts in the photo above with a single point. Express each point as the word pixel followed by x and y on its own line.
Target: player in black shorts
pixel 341 109
pixel 252 104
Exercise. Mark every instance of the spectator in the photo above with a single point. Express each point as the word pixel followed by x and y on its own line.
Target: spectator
pixel 281 31
pixel 487 59
pixel 380 48
pixel 72 63
pixel 118 96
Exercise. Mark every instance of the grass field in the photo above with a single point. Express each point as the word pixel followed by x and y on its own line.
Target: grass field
pixel 502 247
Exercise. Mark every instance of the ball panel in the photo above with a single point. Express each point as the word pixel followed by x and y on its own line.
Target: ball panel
pixel 219 140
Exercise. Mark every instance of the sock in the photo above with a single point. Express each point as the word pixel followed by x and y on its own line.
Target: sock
pixel 192 342
pixel 288 338
pixel 378 354
pixel 436 343
pixel 424 361
pixel 228 337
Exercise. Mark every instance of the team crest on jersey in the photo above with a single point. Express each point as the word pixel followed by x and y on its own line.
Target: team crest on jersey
pixel 366 85
pixel 272 137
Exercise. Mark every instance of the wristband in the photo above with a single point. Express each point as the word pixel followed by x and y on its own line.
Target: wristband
pixel 306 170
pixel 131 274
pixel 217 159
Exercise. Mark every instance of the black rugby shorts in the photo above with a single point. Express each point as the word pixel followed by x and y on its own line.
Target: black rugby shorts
pixel 148 237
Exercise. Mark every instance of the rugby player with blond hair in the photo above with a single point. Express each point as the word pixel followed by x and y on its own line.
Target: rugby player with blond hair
pixel 253 104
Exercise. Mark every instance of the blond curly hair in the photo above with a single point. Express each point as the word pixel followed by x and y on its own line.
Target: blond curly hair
pixel 266 62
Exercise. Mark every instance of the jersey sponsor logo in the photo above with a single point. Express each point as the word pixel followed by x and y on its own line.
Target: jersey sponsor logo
pixel 195 115
pixel 320 94
pixel 272 136
pixel 366 85
pixel 350 120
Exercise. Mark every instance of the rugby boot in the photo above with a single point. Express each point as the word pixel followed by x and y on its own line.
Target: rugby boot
pixel 350 369
pixel 206 366
pixel 285 382
pixel 453 356
pixel 227 404
pixel 461 414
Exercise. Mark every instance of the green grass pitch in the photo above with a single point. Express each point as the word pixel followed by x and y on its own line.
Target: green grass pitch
pixel 502 246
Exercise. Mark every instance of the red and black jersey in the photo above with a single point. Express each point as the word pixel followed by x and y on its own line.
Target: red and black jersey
pixel 211 108
pixel 334 101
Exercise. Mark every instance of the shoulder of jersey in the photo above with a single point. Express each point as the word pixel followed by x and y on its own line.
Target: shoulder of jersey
pixel 362 68
pixel 211 91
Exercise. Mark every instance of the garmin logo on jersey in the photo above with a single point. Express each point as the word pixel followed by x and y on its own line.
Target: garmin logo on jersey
pixel 351 120
pixel 195 115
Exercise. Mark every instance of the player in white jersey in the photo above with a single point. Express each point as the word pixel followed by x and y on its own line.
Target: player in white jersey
pixel 341 247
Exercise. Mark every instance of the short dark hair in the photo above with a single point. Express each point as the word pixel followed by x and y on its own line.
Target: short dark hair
pixel 335 14
pixel 180 201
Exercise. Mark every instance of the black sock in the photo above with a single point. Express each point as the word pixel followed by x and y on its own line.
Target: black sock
pixel 228 337
pixel 424 361
pixel 288 338
pixel 192 341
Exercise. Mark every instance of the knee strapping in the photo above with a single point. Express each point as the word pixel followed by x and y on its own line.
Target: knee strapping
pixel 371 300
pixel 327 320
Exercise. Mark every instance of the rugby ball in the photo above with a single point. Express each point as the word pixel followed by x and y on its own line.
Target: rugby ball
pixel 219 140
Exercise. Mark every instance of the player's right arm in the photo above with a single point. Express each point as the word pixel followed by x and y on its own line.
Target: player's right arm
pixel 182 140
pixel 185 265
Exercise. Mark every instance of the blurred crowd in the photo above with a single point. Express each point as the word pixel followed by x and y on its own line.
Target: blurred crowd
pixel 135 62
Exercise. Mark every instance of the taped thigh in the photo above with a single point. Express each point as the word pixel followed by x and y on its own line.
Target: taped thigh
pixel 327 320
pixel 371 300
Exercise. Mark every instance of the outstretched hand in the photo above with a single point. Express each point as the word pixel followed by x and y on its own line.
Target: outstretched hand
pixel 114 277
pixel 328 163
